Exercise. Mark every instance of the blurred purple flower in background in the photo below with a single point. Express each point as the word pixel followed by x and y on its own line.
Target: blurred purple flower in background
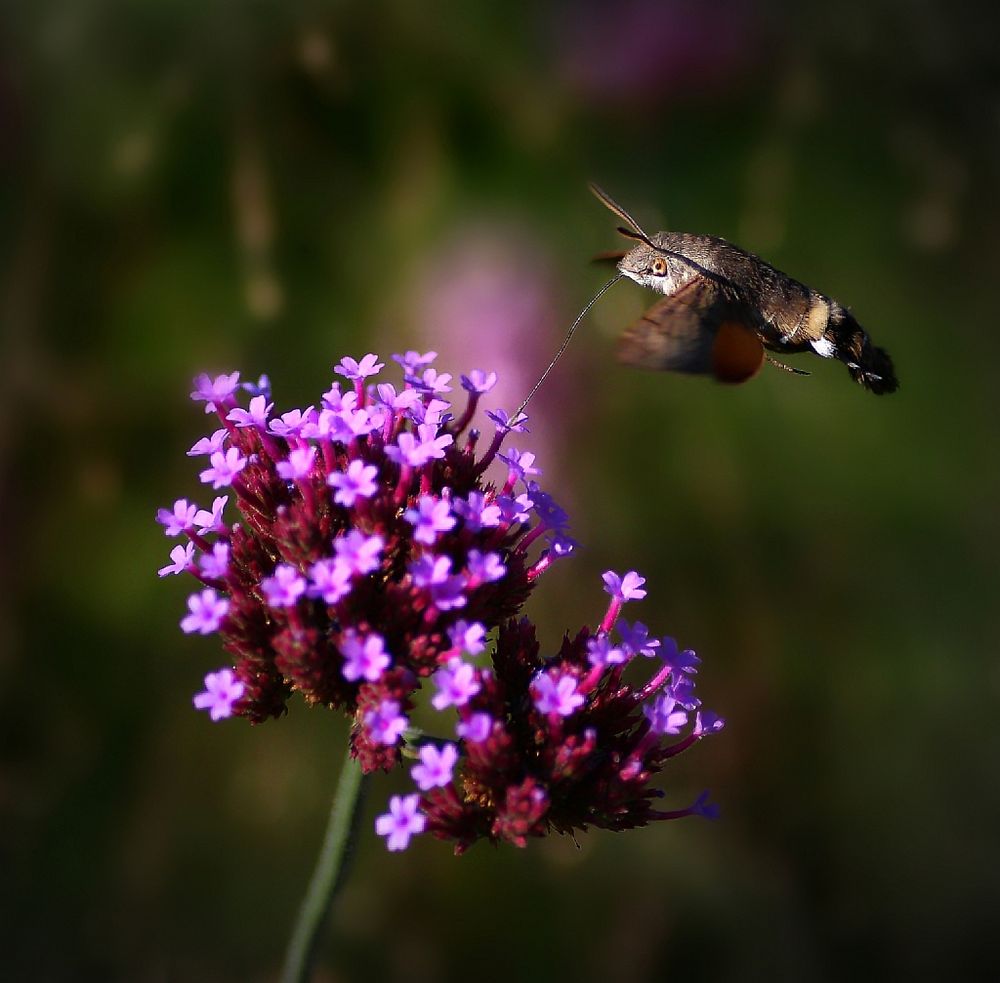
pixel 638 54
pixel 493 298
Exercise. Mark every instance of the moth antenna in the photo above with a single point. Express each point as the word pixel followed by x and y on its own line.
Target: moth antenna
pixel 608 202
pixel 787 368
pixel 569 334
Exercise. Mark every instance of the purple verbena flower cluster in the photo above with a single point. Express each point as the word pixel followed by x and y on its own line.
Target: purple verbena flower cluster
pixel 370 554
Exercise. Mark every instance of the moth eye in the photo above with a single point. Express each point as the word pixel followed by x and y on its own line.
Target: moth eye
pixel 659 267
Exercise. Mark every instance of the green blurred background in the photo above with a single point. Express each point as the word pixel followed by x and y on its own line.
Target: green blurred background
pixel 268 186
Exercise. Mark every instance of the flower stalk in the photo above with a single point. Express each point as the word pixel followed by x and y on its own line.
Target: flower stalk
pixel 329 874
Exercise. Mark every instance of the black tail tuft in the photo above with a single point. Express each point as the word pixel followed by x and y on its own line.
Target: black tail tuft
pixel 874 371
pixel 868 365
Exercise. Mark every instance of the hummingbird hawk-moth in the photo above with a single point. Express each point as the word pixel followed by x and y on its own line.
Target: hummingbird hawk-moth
pixel 723 308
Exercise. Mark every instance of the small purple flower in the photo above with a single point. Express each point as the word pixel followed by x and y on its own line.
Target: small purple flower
pixel 506 424
pixel 484 568
pixel 551 515
pixel 402 821
pixel 556 697
pixel 377 417
pixel 476 729
pixel 284 588
pixel 432 444
pixel 434 573
pixel 182 558
pixel 413 362
pixel 327 425
pixel 627 588
pixel 364 657
pixel 479 382
pixel 682 690
pixel 212 521
pixel 385 724
pixel 416 451
pixel 428 570
pixel 329 580
pixel 430 517
pixel 520 464
pixel 663 715
pixel 359 423
pixel 178 520
pixel 209 445
pixel 255 416
pixel 392 400
pixel 352 369
pixel 435 382
pixel 225 467
pixel 291 424
pixel 205 612
pixel 262 387
pixel 337 401
pixel 358 552
pixel 299 463
pixel 636 640
pixel 436 767
pixel 456 684
pixel 407 450
pixel 468 637
pixel 707 722
pixel 429 414
pixel 215 565
pixel 222 690
pixel 686 662
pixel 475 513
pixel 357 482
pixel 600 652
pixel 514 509
pixel 450 593
pixel 702 807
pixel 562 545
pixel 214 391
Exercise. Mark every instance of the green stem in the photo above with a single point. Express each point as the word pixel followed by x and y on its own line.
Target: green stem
pixel 329 875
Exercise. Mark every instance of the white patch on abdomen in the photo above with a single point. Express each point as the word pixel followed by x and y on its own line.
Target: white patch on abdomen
pixel 824 347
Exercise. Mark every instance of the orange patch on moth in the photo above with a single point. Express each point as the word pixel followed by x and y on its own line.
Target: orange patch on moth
pixel 737 353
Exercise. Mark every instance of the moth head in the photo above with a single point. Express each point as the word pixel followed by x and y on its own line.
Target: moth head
pixel 644 263
pixel 649 267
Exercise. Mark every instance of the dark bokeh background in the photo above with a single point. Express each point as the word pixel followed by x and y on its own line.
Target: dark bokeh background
pixel 267 186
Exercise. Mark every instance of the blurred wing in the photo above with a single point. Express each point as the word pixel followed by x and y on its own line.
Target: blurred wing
pixel 696 330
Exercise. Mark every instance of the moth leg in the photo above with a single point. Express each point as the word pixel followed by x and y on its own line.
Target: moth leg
pixel 787 368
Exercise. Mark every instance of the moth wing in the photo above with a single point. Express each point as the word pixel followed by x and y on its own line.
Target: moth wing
pixel 697 331
pixel 737 354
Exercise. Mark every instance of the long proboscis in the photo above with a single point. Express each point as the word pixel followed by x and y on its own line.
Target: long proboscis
pixel 569 334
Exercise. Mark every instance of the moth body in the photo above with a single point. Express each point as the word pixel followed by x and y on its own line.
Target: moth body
pixel 707 282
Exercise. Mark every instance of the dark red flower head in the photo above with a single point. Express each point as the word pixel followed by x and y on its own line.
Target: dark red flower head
pixel 370 553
